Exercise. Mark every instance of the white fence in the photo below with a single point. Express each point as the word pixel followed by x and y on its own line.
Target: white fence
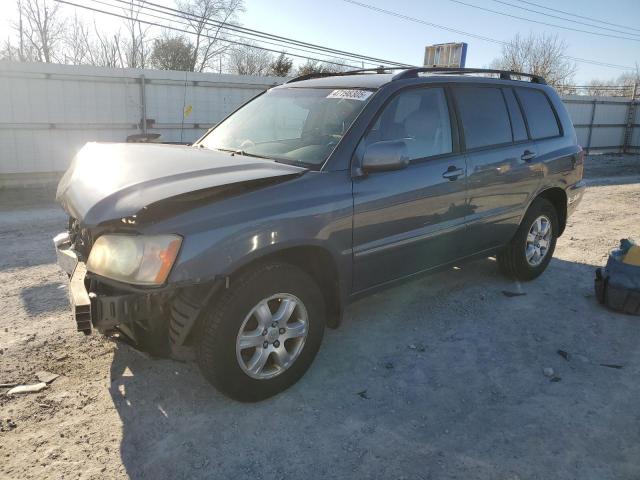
pixel 605 124
pixel 47 112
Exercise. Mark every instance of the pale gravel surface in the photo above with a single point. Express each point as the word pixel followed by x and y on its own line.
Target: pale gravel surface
pixel 469 401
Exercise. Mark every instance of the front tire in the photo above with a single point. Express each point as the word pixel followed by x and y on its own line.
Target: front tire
pixel 530 250
pixel 263 333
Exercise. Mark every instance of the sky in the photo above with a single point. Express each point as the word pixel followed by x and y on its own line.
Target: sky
pixel 345 26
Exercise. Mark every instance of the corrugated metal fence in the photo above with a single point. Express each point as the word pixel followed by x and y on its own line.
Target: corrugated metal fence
pixel 47 112
pixel 605 124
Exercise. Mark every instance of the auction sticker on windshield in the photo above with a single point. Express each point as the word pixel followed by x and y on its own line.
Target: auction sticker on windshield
pixel 361 95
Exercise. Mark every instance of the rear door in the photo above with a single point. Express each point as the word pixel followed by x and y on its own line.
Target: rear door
pixel 554 152
pixel 502 166
pixel 409 220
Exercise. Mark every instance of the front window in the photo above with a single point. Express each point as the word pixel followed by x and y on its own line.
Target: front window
pixel 291 125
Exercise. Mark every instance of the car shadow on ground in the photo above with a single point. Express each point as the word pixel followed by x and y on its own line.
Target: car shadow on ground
pixel 45 298
pixel 440 377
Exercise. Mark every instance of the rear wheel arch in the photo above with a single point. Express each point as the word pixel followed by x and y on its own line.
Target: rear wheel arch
pixel 558 198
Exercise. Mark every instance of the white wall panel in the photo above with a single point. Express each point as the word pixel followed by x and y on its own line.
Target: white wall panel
pixel 47 112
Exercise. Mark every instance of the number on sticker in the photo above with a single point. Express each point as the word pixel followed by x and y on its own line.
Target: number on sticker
pixel 361 95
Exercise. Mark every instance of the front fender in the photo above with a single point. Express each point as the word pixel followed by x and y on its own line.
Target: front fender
pixel 219 238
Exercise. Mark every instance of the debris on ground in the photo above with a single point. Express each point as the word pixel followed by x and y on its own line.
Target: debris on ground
pixel 417 346
pixel 548 372
pixel 7 425
pixel 556 379
pixel 389 365
pixel 363 394
pixel 564 354
pixel 509 294
pixel 611 365
pixel 46 377
pixel 33 388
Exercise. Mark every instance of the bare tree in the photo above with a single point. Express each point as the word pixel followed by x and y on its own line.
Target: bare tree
pixel 106 50
pixel 171 53
pixel 543 55
pixel 206 19
pixel 9 52
pixel 40 30
pixel 135 46
pixel 249 60
pixel 78 43
pixel 621 86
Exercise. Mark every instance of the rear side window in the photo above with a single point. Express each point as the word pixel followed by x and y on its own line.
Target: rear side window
pixel 484 116
pixel 517 122
pixel 540 117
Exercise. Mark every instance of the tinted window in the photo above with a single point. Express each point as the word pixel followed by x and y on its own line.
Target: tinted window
pixel 420 117
pixel 484 116
pixel 540 116
pixel 517 122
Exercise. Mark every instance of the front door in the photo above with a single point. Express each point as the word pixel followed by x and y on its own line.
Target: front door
pixel 410 220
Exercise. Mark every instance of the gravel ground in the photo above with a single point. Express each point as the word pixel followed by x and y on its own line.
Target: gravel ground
pixel 439 378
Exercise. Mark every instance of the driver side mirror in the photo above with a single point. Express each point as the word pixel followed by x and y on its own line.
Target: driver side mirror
pixel 385 156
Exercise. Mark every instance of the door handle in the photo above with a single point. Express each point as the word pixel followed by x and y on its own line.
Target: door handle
pixel 528 155
pixel 452 173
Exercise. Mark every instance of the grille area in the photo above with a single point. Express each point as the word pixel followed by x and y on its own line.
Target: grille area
pixel 81 240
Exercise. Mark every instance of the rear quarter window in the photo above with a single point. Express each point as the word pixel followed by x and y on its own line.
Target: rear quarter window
pixel 517 122
pixel 484 116
pixel 541 119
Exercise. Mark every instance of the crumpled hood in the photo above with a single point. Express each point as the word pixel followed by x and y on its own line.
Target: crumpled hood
pixel 114 180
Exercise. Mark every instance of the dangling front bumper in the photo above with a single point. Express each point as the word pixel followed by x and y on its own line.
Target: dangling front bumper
pixel 78 296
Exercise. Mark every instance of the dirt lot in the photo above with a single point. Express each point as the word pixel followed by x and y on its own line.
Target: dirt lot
pixel 439 378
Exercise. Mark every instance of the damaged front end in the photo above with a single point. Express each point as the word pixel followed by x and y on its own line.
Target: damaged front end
pixel 119 262
pixel 104 304
pixel 153 318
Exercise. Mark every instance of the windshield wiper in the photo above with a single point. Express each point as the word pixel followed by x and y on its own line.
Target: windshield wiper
pixel 287 161
pixel 243 153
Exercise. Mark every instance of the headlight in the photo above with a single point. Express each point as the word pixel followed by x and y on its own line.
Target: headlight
pixel 143 260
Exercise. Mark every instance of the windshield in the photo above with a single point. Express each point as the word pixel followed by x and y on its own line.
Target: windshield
pixel 292 125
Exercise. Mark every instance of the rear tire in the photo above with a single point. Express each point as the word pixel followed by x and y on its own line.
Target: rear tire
pixel 240 312
pixel 524 258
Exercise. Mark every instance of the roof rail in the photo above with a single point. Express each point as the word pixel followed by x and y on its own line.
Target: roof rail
pixel 380 69
pixel 504 74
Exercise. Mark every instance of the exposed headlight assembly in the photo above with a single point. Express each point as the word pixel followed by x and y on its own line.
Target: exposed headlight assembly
pixel 136 259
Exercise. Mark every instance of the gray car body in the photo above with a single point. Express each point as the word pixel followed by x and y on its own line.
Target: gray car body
pixel 374 229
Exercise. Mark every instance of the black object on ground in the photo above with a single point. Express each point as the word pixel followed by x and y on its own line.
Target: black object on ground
pixel 617 285
pixel 509 294
pixel 611 365
pixel 564 354
pixel 363 394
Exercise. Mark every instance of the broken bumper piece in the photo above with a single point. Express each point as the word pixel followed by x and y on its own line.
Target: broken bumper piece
pixel 77 271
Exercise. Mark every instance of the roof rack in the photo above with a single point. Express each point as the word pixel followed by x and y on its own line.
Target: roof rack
pixel 504 74
pixel 350 72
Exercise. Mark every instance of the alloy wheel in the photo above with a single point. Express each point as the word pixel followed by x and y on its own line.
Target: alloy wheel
pixel 272 336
